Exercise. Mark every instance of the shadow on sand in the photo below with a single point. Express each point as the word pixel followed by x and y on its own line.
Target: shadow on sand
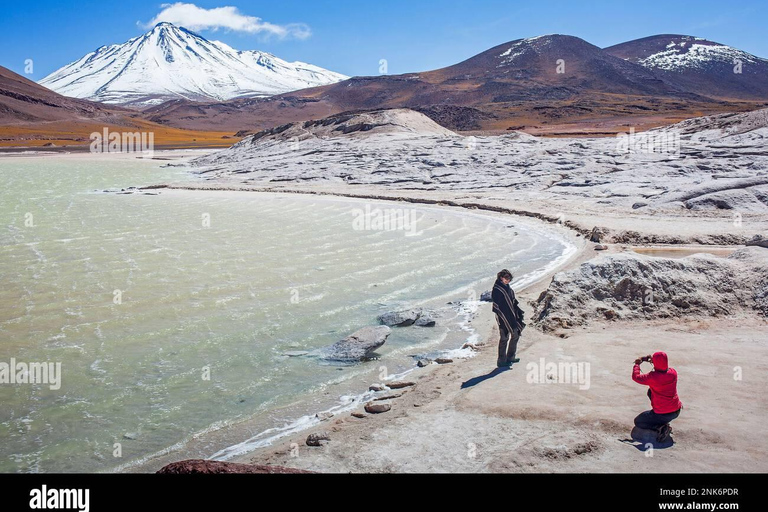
pixel 474 381
pixel 645 440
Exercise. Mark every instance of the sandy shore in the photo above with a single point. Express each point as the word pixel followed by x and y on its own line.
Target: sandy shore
pixel 653 212
pixel 467 416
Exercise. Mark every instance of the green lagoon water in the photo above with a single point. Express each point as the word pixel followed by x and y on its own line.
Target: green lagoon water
pixel 214 289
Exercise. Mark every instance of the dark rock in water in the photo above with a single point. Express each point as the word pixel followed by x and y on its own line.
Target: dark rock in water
pixel 377 408
pixel 210 467
pixel 443 360
pixel 130 435
pixel 423 362
pixel 376 387
pixel 318 438
pixel 400 318
pixel 295 353
pixel 639 204
pixel 359 345
pixel 399 385
pixel 486 297
pixel 424 321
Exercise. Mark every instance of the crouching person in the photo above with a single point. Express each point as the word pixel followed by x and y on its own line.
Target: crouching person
pixel 665 404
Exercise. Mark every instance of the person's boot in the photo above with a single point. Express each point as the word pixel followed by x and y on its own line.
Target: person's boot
pixel 514 360
pixel 664 433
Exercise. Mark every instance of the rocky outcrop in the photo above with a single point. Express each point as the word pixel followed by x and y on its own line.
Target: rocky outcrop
pixel 758 241
pixel 359 345
pixel 425 321
pixel 318 438
pixel 209 467
pixel 372 408
pixel 633 286
pixel 400 385
pixel 407 317
pixel 400 318
pixel 598 234
pixel 345 123
pixel 456 117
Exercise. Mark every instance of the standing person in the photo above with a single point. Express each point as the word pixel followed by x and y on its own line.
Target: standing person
pixel 509 316
pixel 665 404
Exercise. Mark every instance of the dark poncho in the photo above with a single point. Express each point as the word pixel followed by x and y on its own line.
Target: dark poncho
pixel 506 307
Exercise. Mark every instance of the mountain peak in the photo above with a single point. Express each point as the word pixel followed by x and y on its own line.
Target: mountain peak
pixel 673 52
pixel 171 62
pixel 167 25
pixel 696 63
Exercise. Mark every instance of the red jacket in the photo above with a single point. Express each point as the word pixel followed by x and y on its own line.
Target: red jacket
pixel 663 383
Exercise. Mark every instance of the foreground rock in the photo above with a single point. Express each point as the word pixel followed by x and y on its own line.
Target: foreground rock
pixel 407 317
pixel 400 318
pixel 318 438
pixel 359 345
pixel 758 241
pixel 633 286
pixel 425 321
pixel 400 385
pixel 209 467
pixel 377 408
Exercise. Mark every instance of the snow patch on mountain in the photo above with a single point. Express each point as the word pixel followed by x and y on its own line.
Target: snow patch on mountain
pixel 690 53
pixel 170 62
pixel 523 46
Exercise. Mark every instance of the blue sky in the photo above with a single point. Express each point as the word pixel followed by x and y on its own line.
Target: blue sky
pixel 352 36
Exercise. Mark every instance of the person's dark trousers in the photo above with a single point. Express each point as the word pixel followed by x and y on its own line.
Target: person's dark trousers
pixel 649 420
pixel 507 345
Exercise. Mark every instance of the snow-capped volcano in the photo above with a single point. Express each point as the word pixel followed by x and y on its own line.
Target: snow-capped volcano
pixel 700 65
pixel 677 52
pixel 171 62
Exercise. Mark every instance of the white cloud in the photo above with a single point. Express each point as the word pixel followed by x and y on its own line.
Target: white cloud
pixel 228 18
